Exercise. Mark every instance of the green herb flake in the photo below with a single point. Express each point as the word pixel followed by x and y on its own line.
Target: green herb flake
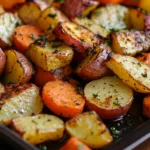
pixel 82 40
pixel 43 147
pixel 32 37
pixel 50 27
pixel 55 45
pixel 139 64
pixel 95 95
pixel 60 1
pixel 51 15
pixel 116 103
pixel 87 52
pixel 108 43
pixel 144 75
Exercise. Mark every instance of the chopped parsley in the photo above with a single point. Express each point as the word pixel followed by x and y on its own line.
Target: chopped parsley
pixel 50 27
pixel 55 45
pixel 82 40
pixel 95 95
pixel 116 103
pixel 43 147
pixel 41 40
pixel 108 43
pixel 60 1
pixel 144 75
pixel 32 37
pixel 87 52
pixel 51 15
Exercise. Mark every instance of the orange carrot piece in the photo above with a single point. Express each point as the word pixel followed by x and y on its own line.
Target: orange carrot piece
pixel 146 106
pixel 145 58
pixel 74 144
pixel 9 4
pixel 62 98
pixel 24 36
pixel 110 1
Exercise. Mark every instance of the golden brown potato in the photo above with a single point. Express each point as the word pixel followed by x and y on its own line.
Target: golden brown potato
pixel 111 17
pixel 49 18
pixel 39 128
pixel 109 97
pixel 130 42
pixel 131 71
pixel 2 61
pixel 20 101
pixel 93 67
pixel 18 68
pixel 52 56
pixel 89 129
pixel 29 13
pixel 76 36
pixel 89 24
pixel 8 22
pixel 144 4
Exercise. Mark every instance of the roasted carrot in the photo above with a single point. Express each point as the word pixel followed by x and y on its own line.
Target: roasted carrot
pixel 74 144
pixel 146 106
pixel 24 36
pixel 145 58
pixel 110 1
pixel 9 4
pixel 62 98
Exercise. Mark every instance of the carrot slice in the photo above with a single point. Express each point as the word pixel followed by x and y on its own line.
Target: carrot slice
pixel 146 106
pixel 8 4
pixel 74 144
pixel 62 98
pixel 145 58
pixel 24 36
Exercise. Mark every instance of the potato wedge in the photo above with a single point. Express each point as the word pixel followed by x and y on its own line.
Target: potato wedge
pixel 8 22
pixel 112 17
pixel 20 101
pixel 130 42
pixel 131 71
pixel 2 61
pixel 18 68
pixel 49 18
pixel 52 56
pixel 89 24
pixel 89 129
pixel 39 128
pixel 73 8
pixel 29 13
pixel 109 97
pixel 77 36
pixel 93 67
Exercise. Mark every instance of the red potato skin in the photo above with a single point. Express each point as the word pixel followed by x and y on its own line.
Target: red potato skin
pixel 69 40
pixel 2 61
pixel 73 8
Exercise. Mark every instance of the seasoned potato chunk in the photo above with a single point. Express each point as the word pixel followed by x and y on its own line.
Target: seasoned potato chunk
pixel 18 68
pixel 131 71
pixel 77 36
pixel 29 13
pixel 8 23
pixel 52 56
pixel 130 42
pixel 93 67
pixel 49 18
pixel 89 129
pixel 113 17
pixel 20 101
pixel 39 128
pixel 89 24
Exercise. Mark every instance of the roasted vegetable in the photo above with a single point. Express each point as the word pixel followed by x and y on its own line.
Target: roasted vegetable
pixel 109 97
pixel 77 36
pixel 49 18
pixel 93 67
pixel 130 42
pixel 131 71
pixel 145 5
pixel 112 17
pixel 29 13
pixel 24 100
pixel 145 58
pixel 8 22
pixel 2 61
pixel 62 98
pixel 89 24
pixel 18 68
pixel 89 129
pixel 50 56
pixel 39 128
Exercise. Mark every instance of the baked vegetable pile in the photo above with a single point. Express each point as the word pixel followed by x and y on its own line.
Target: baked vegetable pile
pixel 83 60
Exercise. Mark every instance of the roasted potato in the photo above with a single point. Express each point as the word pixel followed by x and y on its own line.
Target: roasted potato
pixel 18 68
pixel 131 71
pixel 8 22
pixel 89 129
pixel 20 101
pixel 89 24
pixel 52 56
pixel 2 90
pixel 2 61
pixel 76 36
pixel 39 128
pixel 72 8
pixel 130 42
pixel 93 67
pixel 112 17
pixel 145 5
pixel 49 18
pixel 109 97
pixel 29 13
pixel 139 20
